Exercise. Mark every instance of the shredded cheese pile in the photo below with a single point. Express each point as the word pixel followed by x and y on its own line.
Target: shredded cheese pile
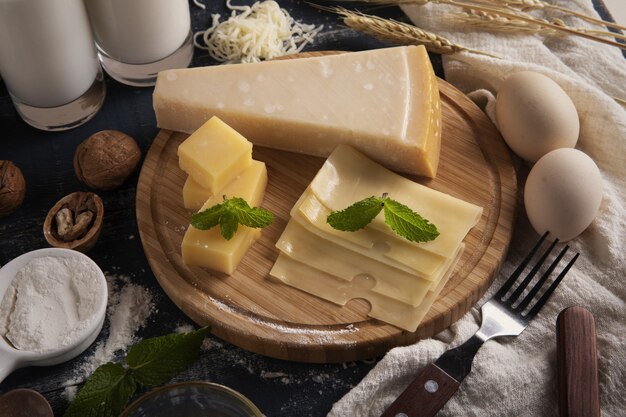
pixel 261 31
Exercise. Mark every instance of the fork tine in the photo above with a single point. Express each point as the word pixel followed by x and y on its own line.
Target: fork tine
pixel 518 271
pixel 522 286
pixel 544 298
pixel 535 289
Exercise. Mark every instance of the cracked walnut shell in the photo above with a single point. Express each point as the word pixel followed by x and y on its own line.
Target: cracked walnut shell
pixel 12 188
pixel 106 159
pixel 75 222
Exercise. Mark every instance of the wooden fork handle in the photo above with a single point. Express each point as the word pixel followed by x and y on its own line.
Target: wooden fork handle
pixel 577 364
pixel 425 396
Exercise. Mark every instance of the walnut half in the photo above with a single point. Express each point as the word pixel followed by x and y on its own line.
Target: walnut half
pixel 75 221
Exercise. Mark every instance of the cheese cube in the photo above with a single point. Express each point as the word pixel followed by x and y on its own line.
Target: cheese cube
pixel 214 154
pixel 208 248
pixel 247 185
pixel 384 102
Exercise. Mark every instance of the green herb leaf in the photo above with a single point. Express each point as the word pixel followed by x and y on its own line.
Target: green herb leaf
pixel 105 394
pixel 400 218
pixel 229 214
pixel 208 218
pixel 407 223
pixel 155 361
pixel 228 225
pixel 356 216
pixel 250 216
pixel 150 363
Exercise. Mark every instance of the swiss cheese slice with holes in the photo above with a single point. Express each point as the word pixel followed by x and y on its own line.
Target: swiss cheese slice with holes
pixel 306 247
pixel 384 102
pixel 330 288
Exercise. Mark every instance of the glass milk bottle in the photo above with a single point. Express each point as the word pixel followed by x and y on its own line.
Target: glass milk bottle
pixel 48 62
pixel 138 38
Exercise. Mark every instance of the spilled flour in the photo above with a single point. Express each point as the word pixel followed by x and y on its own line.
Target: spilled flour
pixel 129 307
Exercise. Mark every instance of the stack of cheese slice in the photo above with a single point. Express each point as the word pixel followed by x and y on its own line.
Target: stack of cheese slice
pixel 383 102
pixel 399 278
pixel 219 163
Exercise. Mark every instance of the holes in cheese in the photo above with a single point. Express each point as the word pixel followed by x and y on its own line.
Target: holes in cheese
pixel 384 102
pixel 400 279
pixel 330 288
pixel 303 246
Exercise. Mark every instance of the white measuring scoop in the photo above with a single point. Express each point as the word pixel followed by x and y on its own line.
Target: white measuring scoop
pixel 12 358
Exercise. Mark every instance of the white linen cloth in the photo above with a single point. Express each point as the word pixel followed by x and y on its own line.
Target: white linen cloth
pixel 517 376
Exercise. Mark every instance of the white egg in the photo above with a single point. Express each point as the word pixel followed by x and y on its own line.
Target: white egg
pixel 535 115
pixel 563 193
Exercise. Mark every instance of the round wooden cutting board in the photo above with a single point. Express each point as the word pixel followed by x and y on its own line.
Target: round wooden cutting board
pixel 259 314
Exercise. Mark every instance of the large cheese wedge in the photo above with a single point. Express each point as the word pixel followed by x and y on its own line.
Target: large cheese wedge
pixel 330 288
pixel 214 154
pixel 348 176
pixel 384 102
pixel 305 247
pixel 251 182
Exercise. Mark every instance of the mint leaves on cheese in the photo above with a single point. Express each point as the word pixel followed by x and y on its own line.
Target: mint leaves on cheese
pixel 149 363
pixel 229 215
pixel 400 218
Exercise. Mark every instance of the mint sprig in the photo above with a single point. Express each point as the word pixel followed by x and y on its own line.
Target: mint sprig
pixel 229 215
pixel 400 218
pixel 149 363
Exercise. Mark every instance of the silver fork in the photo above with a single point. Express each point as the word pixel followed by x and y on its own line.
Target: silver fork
pixel 502 315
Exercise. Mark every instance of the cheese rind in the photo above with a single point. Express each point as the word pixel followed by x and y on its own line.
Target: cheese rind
pixel 249 185
pixel 214 154
pixel 384 102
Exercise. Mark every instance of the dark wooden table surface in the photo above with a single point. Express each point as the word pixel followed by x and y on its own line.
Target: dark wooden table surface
pixel 46 160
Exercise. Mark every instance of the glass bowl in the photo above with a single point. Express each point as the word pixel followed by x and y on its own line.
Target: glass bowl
pixel 192 399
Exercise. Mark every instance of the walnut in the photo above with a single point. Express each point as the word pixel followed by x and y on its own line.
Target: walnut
pixel 12 188
pixel 75 221
pixel 106 159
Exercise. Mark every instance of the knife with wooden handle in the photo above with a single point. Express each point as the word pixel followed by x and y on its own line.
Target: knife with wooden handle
pixel 579 394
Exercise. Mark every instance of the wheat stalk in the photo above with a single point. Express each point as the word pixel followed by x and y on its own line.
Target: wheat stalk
pixel 479 5
pixel 499 23
pixel 504 24
pixel 526 5
pixel 400 33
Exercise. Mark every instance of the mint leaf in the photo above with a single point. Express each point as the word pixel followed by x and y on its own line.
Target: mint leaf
pixel 155 361
pixel 407 223
pixel 356 216
pixel 229 214
pixel 400 218
pixel 228 225
pixel 105 394
pixel 248 216
pixel 208 218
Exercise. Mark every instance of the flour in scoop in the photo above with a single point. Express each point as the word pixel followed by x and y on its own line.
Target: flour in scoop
pixel 50 303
